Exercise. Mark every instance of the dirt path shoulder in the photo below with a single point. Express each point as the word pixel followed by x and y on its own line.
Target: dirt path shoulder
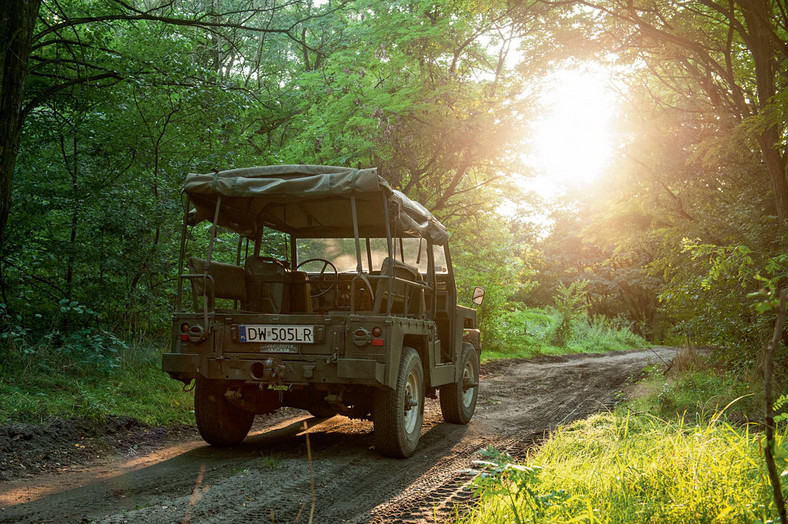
pixel 175 477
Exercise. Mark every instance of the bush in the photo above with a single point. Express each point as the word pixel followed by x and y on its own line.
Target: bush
pixel 527 328
pixel 88 373
pixel 525 332
pixel 598 334
pixel 571 302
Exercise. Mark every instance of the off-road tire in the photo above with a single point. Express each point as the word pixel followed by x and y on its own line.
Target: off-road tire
pixel 457 402
pixel 322 410
pixel 219 422
pixel 397 422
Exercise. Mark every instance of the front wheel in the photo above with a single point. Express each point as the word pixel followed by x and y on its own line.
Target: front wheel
pixel 458 400
pixel 399 413
pixel 219 422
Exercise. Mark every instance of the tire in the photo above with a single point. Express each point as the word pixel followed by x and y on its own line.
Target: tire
pixel 458 402
pixel 398 413
pixel 322 410
pixel 219 422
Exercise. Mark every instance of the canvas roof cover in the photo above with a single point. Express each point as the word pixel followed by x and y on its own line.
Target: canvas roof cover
pixel 307 201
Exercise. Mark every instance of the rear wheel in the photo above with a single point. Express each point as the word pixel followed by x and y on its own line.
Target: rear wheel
pixel 219 422
pixel 458 400
pixel 322 410
pixel 398 413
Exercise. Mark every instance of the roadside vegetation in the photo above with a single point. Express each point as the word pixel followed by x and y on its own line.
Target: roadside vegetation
pixel 685 446
pixel 87 379
pixel 529 332
pixel 628 467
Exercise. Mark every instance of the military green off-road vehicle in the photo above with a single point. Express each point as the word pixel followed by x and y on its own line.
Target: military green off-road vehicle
pixel 320 288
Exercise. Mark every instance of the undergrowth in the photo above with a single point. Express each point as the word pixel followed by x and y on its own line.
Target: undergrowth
pixel 624 467
pixel 700 395
pixel 682 449
pixel 84 379
pixel 529 332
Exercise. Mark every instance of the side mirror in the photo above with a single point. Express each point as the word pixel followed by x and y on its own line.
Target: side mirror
pixel 478 295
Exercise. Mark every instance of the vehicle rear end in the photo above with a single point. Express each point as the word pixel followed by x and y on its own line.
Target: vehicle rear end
pixel 313 287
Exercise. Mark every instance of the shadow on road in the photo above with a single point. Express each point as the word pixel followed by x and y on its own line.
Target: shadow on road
pixel 277 456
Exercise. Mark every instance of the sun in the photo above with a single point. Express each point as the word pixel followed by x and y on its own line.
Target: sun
pixel 571 142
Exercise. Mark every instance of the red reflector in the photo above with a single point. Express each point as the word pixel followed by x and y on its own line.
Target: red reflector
pixel 377 341
pixel 185 337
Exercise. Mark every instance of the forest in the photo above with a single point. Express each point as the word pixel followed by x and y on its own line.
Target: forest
pixel 679 239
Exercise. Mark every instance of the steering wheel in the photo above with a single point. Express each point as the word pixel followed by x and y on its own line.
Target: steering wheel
pixel 319 286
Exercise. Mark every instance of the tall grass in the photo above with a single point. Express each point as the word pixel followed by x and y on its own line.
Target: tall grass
pixel 529 332
pixel 625 467
pixel 699 394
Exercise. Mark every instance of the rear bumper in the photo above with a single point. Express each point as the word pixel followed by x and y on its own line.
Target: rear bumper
pixel 186 366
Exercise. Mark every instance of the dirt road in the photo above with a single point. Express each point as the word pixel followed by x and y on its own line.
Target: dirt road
pixel 267 478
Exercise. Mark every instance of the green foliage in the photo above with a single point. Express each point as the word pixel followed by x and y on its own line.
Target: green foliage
pixel 577 248
pixel 737 287
pixel 527 332
pixel 623 467
pixel 571 301
pixel 38 383
pixel 598 334
pixel 516 485
pixel 774 275
pixel 483 255
pixel 85 350
pixel 702 395
pixel 422 91
pixel 526 328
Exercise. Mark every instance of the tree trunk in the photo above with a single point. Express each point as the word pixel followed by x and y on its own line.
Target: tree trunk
pixel 757 16
pixel 775 167
pixel 17 20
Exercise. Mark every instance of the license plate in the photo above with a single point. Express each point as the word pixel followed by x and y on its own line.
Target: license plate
pixel 269 334
pixel 279 348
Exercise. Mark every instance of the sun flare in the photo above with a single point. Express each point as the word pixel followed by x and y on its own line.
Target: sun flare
pixel 571 143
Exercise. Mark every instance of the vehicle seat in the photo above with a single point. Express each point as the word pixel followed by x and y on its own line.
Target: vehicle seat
pixel 228 280
pixel 406 299
pixel 300 291
pixel 267 289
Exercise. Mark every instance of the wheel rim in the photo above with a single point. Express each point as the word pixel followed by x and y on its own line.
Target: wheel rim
pixel 468 378
pixel 412 400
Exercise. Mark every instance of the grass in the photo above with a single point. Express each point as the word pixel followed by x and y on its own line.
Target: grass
pixel 625 467
pixel 37 384
pixel 700 395
pixel 529 332
pixel 682 449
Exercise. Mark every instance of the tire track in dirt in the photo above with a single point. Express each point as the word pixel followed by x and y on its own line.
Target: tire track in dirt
pixel 267 477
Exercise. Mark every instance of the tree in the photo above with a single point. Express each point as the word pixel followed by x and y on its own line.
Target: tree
pixel 17 22
pixel 725 59
pixel 72 45
pixel 420 90
pixel 122 100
